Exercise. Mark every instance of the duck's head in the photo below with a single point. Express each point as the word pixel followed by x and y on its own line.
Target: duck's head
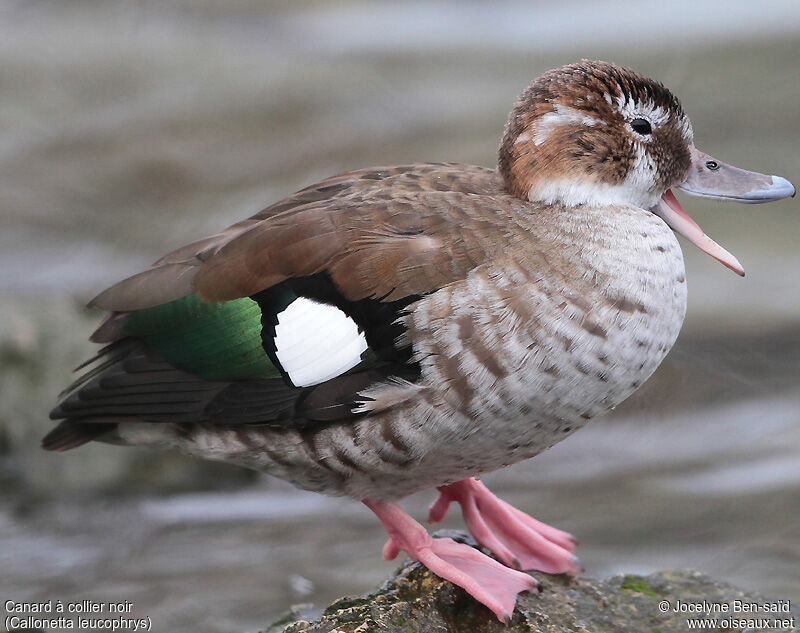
pixel 593 133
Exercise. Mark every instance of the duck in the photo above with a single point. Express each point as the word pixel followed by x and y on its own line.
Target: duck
pixel 403 328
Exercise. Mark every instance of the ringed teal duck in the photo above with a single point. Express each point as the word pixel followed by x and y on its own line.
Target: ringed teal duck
pixel 400 328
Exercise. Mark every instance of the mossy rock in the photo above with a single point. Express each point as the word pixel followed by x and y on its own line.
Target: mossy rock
pixel 415 600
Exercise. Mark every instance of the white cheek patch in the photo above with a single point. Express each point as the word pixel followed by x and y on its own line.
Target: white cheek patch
pixel 315 342
pixel 561 115
pixel 640 179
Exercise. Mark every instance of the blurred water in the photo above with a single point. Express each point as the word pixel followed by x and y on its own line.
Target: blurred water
pixel 129 128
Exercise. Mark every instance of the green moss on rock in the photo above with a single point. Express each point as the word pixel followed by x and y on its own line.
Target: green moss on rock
pixel 637 584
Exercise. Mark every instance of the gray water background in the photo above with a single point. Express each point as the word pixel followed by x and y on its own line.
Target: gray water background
pixel 129 128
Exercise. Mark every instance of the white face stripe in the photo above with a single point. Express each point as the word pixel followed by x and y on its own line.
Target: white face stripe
pixel 561 115
pixel 315 342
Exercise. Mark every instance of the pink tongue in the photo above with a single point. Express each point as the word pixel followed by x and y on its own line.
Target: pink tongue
pixel 673 203
pixel 671 211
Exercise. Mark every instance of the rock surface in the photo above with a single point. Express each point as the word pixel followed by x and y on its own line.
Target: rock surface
pixel 416 600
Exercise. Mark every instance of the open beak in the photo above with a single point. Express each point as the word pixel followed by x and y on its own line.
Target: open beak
pixel 710 178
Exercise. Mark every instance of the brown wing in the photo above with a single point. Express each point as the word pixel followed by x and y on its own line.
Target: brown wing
pixel 384 233
pixel 368 242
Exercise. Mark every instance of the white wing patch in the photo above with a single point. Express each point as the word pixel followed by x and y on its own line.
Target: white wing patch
pixel 315 342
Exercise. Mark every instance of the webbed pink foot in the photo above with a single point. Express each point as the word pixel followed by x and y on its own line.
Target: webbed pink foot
pixel 488 581
pixel 517 539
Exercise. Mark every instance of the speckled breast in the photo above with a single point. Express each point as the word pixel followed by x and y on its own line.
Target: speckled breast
pixel 561 327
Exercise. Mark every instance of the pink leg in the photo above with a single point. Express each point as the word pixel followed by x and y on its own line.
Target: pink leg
pixel 488 581
pixel 517 539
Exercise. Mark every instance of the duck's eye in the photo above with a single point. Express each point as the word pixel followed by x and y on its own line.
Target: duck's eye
pixel 641 126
